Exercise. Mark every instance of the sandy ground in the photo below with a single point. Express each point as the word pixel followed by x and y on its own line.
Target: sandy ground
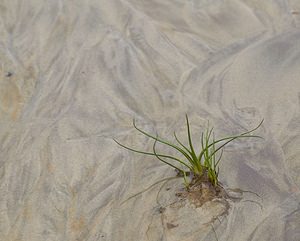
pixel 75 73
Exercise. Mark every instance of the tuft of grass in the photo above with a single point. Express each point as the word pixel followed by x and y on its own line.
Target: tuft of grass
pixel 197 165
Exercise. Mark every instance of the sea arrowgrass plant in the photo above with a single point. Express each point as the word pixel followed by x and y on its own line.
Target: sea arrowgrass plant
pixel 206 163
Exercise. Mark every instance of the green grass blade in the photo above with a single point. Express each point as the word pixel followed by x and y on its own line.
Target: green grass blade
pixel 196 162
pixel 232 137
pixel 162 160
pixel 190 139
pixel 227 142
pixel 180 143
pixel 254 128
pixel 186 155
pixel 207 138
pixel 152 154
pixel 217 163
pixel 207 160
pixel 202 140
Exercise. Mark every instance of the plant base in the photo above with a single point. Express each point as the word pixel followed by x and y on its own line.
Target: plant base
pixel 201 190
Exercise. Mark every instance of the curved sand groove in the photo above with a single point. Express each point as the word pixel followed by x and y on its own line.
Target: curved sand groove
pixel 73 74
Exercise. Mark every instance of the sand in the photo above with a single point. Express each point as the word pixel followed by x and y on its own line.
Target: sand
pixel 75 73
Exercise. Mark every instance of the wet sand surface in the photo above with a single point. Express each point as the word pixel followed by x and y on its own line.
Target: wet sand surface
pixel 75 73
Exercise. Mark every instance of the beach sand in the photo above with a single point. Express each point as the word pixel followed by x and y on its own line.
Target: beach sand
pixel 73 75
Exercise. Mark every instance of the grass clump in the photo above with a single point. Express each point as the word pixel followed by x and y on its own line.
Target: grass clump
pixel 199 166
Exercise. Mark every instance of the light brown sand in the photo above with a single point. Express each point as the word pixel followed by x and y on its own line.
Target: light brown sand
pixel 74 73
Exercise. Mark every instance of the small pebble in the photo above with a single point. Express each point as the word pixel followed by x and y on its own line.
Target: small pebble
pixel 8 74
